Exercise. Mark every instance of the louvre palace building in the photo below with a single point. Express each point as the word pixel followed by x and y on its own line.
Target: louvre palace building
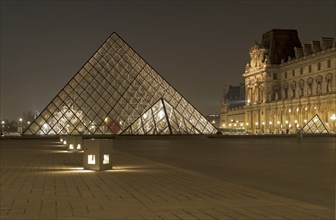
pixel 286 84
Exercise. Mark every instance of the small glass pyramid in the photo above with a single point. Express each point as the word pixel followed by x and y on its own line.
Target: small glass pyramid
pixel 314 126
pixel 113 93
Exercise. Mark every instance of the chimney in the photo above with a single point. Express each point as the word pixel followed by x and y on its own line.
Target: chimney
pixel 307 49
pixel 316 46
pixel 298 52
pixel 326 42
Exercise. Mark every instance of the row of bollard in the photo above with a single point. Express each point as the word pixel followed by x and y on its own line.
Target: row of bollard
pixel 96 152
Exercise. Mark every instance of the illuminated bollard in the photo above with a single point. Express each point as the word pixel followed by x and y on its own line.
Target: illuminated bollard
pixel 63 139
pixel 97 154
pixel 74 143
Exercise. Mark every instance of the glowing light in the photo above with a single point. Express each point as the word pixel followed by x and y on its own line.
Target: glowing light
pixel 145 116
pixel 297 109
pixel 315 107
pixel 290 125
pixel 230 125
pixel 91 159
pixel 278 122
pixel 270 122
pixel 213 122
pixel 106 119
pixel 295 121
pixel 106 159
pixel 235 124
pixel 256 123
pixel 306 108
pixel 71 147
pixel 64 142
pixel 28 122
pixel 305 121
pixel 3 122
pixel 20 119
pixel 61 140
pixel 297 125
pixel 78 146
pixel 161 114
pixel 248 101
pixel 286 122
pixel 289 110
pixel 333 117
pixel 263 123
pixel 247 124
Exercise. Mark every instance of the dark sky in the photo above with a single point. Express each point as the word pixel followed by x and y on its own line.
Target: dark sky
pixel 198 46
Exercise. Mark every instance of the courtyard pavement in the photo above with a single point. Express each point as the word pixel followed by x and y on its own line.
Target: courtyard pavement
pixel 40 180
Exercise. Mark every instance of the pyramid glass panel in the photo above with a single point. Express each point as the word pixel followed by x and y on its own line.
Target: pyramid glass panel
pixel 118 92
pixel 314 126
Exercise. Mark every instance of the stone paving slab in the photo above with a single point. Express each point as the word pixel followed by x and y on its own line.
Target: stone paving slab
pixel 49 183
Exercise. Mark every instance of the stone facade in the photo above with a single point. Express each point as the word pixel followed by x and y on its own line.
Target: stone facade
pixel 232 117
pixel 286 86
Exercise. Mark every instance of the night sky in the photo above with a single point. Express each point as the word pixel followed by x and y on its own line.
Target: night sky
pixel 197 46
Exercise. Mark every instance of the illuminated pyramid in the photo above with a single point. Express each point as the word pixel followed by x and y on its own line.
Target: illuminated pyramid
pixel 117 92
pixel 314 126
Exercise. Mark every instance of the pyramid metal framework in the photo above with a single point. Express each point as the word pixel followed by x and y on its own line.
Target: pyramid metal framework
pixel 314 126
pixel 117 92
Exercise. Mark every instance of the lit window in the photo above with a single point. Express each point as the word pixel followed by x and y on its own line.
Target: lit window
pixel 71 147
pixel 106 159
pixel 64 142
pixel 91 159
pixel 78 146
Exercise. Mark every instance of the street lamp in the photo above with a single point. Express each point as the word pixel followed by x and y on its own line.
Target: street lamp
pixel 333 118
pixel 21 125
pixel 2 127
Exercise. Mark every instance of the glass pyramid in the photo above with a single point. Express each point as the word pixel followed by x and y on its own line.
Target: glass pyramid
pixel 314 126
pixel 162 118
pixel 112 94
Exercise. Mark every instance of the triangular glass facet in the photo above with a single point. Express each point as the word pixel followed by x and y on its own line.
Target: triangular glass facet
pixel 110 92
pixel 164 119
pixel 314 126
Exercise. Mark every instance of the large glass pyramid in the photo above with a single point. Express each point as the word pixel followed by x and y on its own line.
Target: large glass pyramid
pixel 314 126
pixel 117 92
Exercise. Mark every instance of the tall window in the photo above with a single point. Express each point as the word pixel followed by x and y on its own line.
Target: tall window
pixel 309 69
pixel 285 75
pixel 293 73
pixel 286 93
pixel 329 82
pixel 310 88
pixel 318 66
pixel 275 76
pixel 301 71
pixel 318 87
pixel 328 63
